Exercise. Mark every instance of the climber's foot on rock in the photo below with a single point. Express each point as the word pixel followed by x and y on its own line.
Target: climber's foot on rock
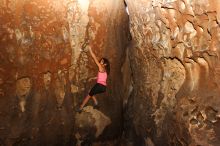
pixel 96 106
pixel 78 109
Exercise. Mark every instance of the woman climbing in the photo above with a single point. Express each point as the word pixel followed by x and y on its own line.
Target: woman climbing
pixel 100 86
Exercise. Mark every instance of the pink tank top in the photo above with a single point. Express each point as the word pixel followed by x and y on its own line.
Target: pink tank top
pixel 101 78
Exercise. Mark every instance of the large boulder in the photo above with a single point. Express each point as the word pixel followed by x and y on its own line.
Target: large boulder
pixel 90 124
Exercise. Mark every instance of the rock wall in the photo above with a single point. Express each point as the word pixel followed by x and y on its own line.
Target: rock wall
pixel 174 58
pixel 46 69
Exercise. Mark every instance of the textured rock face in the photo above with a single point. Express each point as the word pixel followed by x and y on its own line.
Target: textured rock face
pixel 45 67
pixel 167 80
pixel 174 57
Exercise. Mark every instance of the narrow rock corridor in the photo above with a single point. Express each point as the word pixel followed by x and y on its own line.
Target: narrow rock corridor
pixel 162 90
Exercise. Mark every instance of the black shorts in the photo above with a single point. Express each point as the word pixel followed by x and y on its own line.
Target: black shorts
pixel 96 89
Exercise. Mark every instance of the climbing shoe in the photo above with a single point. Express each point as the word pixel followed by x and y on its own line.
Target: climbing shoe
pixel 79 110
pixel 96 106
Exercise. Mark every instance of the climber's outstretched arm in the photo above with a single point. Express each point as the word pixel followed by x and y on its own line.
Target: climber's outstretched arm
pixel 95 59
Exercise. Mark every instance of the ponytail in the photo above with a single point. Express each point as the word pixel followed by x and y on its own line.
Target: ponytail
pixel 107 66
